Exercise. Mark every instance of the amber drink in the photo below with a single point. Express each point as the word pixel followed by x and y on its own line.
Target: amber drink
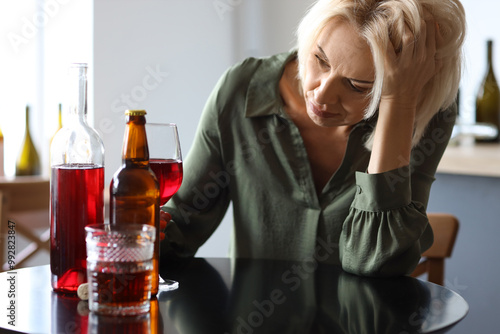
pixel 120 268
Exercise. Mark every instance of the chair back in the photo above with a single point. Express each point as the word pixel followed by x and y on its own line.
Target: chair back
pixel 21 197
pixel 445 228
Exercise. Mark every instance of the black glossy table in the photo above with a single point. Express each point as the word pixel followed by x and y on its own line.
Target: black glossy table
pixel 246 296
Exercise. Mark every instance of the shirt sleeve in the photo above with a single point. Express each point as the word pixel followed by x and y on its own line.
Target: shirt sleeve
pixel 203 198
pixel 387 229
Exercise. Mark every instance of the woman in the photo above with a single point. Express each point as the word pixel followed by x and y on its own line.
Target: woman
pixel 328 153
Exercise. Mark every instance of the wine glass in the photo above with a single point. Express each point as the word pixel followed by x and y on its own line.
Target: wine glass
pixel 165 159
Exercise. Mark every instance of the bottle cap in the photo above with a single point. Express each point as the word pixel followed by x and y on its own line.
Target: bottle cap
pixel 135 112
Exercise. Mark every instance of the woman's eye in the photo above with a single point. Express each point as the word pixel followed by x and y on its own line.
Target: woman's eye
pixel 356 88
pixel 322 62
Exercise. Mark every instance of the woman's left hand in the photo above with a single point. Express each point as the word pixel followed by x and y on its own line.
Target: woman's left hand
pixel 406 74
pixel 410 69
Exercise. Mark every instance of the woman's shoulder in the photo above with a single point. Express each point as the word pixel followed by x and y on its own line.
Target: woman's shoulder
pixel 258 68
pixel 249 77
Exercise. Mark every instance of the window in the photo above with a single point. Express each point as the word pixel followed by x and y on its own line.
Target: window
pixel 39 38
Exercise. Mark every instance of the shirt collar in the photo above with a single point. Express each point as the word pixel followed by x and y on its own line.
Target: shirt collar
pixel 263 96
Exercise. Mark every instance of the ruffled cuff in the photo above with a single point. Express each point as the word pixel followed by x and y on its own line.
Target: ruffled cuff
pixel 381 235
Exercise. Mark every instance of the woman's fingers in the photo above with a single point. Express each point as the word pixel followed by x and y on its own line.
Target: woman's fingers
pixel 408 48
pixel 424 41
pixel 439 42
pixel 409 70
pixel 165 217
pixel 434 40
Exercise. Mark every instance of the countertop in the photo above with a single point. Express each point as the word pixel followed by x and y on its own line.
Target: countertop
pixel 468 158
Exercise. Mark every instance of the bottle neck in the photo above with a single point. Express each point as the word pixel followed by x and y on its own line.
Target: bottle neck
pixel 489 56
pixel 135 144
pixel 27 122
pixel 60 116
pixel 77 103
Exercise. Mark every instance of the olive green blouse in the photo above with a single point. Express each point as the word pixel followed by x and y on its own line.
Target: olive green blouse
pixel 248 152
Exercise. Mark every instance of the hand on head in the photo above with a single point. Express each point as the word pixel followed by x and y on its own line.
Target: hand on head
pixel 409 68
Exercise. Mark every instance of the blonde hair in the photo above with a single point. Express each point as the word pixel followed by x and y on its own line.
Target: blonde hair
pixel 383 21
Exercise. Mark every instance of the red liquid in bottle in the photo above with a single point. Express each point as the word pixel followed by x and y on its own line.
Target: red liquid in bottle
pixel 169 174
pixel 77 200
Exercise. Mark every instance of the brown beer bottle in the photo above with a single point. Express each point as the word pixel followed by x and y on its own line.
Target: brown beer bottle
pixel 134 190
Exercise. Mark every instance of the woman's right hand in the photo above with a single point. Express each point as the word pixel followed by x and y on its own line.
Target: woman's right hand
pixel 165 217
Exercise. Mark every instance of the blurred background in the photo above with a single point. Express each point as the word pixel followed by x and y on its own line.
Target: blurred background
pixel 164 56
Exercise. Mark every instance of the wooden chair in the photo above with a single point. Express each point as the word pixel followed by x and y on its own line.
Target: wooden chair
pixel 445 228
pixel 25 206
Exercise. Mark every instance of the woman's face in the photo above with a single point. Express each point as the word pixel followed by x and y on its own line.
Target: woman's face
pixel 339 74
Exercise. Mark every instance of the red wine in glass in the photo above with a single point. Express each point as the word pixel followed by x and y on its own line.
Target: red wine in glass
pixel 169 175
pixel 165 160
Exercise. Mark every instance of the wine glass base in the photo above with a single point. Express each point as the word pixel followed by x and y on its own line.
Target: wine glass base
pixel 167 285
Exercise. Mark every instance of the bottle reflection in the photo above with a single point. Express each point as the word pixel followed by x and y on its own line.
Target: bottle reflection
pixel 292 297
pixel 69 314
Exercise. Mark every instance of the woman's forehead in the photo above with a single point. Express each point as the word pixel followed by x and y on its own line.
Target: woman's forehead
pixel 344 46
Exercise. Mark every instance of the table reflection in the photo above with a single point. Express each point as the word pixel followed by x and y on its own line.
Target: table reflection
pixel 69 314
pixel 292 297
pixel 72 315
pixel 250 296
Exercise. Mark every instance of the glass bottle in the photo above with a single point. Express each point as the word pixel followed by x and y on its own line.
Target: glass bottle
pixel 28 161
pixel 59 126
pixel 134 190
pixel 488 96
pixel 76 187
pixel 2 173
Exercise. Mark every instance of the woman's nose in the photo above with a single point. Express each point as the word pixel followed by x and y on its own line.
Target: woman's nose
pixel 328 91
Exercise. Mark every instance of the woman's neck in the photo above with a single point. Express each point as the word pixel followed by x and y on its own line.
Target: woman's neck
pixel 291 92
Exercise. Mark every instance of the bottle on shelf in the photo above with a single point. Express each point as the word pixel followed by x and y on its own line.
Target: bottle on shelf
pixel 59 121
pixel 28 161
pixel 76 186
pixel 488 97
pixel 134 190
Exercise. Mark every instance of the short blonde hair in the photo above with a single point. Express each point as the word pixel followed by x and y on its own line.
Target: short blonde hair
pixel 383 21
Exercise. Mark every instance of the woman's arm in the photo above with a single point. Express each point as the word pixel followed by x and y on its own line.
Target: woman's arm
pixel 406 73
pixel 387 227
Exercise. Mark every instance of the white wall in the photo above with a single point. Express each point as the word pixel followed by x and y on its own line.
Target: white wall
pixel 191 43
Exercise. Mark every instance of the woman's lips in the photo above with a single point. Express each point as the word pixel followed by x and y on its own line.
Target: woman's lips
pixel 318 112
